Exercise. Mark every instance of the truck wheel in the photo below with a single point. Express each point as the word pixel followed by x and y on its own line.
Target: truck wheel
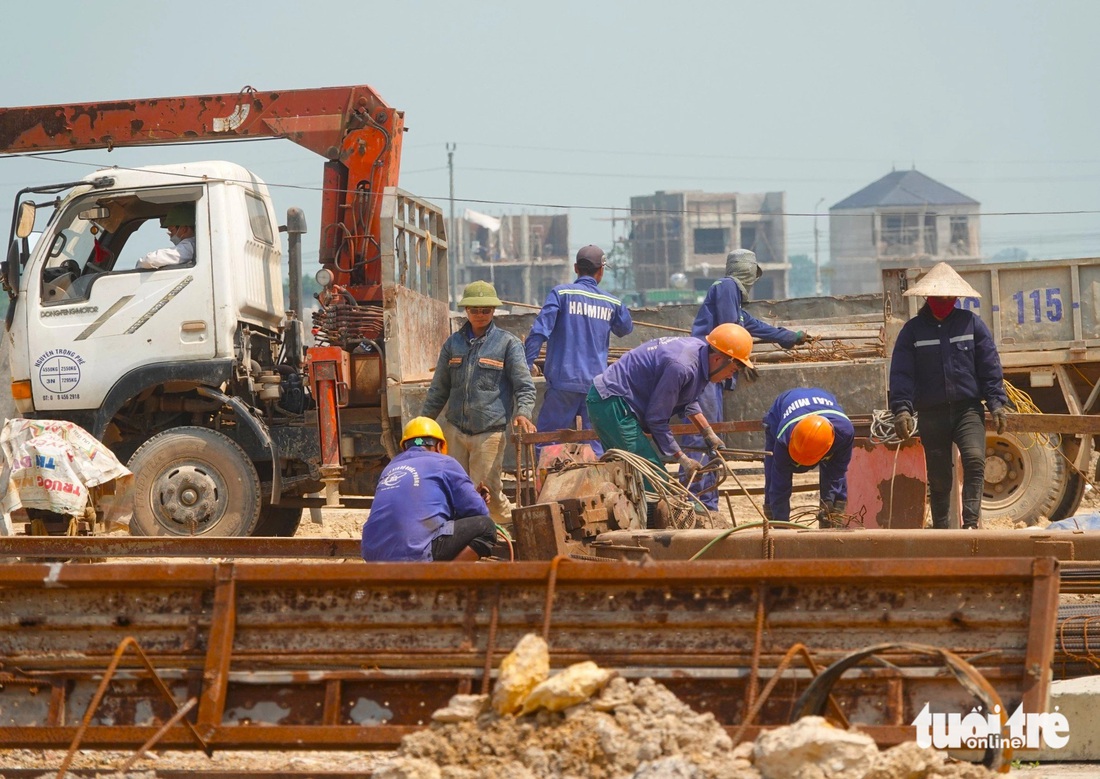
pixel 1024 478
pixel 278 521
pixel 1071 495
pixel 192 481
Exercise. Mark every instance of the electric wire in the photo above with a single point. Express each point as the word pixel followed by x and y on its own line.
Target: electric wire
pixel 532 204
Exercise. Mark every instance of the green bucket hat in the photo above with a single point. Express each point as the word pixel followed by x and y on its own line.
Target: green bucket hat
pixel 479 293
pixel 179 216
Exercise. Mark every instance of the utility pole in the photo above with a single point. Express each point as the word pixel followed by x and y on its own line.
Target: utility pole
pixel 452 234
pixel 817 257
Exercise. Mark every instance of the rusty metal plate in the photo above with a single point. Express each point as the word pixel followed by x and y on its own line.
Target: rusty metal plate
pixel 325 656
pixel 887 485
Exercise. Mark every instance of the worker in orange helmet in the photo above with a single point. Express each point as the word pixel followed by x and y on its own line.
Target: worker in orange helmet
pixel 806 428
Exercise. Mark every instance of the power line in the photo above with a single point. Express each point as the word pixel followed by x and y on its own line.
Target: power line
pixel 547 205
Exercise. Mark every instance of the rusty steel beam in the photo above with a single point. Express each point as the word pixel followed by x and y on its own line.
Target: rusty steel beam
pixel 812 544
pixel 65 547
pixel 343 655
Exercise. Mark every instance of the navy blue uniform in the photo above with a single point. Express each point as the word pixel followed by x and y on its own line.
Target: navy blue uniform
pixel 779 423
pixel 576 323
pixel 944 369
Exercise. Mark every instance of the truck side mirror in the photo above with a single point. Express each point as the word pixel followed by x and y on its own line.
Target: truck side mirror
pixel 24 225
pixel 11 271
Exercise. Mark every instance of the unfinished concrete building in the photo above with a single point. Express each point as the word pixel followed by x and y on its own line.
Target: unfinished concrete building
pixel 905 219
pixel 523 255
pixel 691 232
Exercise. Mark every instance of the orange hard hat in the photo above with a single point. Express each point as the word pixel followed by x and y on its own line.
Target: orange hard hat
pixel 811 439
pixel 733 341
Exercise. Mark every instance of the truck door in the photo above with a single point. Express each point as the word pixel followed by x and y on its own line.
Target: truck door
pixel 94 314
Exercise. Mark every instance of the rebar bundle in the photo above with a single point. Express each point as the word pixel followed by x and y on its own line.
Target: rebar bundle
pixel 345 324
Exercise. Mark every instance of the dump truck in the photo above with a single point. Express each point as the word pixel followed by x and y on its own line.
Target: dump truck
pixel 200 375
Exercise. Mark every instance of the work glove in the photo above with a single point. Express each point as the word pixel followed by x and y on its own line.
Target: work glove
pixel 800 338
pixel 711 438
pixel 1000 420
pixel 750 373
pixel 903 425
pixel 688 466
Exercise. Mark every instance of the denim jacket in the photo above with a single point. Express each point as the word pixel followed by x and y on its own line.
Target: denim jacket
pixel 483 378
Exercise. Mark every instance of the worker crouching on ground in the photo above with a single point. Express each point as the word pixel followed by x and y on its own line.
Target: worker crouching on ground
pixel 806 429
pixel 482 378
pixel 642 391
pixel 425 506
pixel 722 305
pixel 943 366
pixel 576 323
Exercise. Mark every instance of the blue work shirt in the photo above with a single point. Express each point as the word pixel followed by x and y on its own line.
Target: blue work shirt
pixel 483 378
pixel 722 306
pixel 658 379
pixel 576 321
pixel 938 362
pixel 419 496
pixel 779 423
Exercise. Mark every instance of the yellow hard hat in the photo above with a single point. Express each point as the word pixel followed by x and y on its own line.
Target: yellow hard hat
pixel 733 341
pixel 422 428
pixel 811 439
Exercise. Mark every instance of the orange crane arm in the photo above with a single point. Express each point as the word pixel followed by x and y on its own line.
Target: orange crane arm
pixel 352 127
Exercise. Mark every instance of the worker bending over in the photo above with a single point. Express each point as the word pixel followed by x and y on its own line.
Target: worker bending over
pixel 723 304
pixel 804 429
pixel 642 391
pixel 943 366
pixel 576 323
pixel 425 506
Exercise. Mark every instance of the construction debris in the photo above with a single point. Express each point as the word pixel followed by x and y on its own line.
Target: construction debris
pixel 586 721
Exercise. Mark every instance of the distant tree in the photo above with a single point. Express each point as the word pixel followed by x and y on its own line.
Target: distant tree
pixel 1011 254
pixel 802 282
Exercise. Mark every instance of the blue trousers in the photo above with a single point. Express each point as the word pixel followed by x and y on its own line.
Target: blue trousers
pixel 711 404
pixel 560 409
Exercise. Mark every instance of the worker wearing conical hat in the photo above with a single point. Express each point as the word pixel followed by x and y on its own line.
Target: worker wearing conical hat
pixel 944 366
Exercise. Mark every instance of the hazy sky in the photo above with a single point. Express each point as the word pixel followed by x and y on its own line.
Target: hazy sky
pixel 581 105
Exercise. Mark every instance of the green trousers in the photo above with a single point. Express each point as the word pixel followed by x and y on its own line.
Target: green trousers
pixel 618 427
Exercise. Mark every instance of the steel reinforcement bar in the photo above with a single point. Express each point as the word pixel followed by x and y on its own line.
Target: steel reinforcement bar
pixel 301 655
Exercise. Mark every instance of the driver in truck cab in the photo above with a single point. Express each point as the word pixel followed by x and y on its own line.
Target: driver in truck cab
pixel 180 223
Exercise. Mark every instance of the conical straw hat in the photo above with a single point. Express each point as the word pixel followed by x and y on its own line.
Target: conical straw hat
pixel 942 281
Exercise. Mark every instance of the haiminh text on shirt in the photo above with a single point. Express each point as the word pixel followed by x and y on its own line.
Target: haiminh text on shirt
pixel 983 731
pixel 589 310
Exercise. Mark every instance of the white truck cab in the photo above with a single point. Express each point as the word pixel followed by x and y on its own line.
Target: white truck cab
pixel 91 322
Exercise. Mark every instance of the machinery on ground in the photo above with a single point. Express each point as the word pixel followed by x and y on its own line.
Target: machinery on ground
pixel 198 375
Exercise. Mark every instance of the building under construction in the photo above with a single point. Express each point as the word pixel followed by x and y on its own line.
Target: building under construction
pixel 690 233
pixel 523 255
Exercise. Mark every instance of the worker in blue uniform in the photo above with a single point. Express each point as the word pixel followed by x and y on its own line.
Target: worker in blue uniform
pixel 723 304
pixel 575 323
pixel 806 428
pixel 647 386
pixel 944 365
pixel 425 506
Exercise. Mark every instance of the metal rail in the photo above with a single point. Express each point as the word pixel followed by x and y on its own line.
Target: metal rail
pixel 351 655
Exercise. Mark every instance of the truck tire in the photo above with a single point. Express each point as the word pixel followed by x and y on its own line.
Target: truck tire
pixel 193 481
pixel 278 521
pixel 1025 479
pixel 1071 496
